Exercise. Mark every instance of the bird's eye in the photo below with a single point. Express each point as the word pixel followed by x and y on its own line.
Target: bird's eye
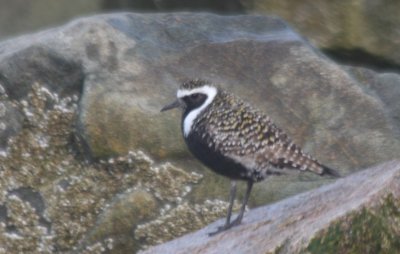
pixel 195 96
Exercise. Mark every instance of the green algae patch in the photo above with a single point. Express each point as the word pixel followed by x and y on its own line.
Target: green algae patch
pixel 370 230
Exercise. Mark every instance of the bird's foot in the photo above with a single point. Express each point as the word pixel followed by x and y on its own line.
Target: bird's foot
pixel 220 229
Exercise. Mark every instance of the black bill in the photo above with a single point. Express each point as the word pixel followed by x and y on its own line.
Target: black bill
pixel 174 104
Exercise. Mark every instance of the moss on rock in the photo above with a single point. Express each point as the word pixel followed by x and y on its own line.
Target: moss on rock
pixel 373 230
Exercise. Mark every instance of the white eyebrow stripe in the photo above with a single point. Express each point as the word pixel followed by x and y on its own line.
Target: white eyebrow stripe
pixel 185 92
pixel 210 91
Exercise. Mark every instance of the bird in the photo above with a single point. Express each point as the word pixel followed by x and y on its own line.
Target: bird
pixel 236 140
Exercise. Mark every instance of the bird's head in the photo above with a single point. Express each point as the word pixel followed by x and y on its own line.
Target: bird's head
pixel 193 94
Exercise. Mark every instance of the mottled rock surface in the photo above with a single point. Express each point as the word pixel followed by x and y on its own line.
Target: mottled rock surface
pixel 89 164
pixel 357 214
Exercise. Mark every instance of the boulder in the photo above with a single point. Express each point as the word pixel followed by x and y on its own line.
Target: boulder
pixel 357 214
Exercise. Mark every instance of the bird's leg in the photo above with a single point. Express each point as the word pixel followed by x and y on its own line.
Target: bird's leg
pixel 232 194
pixel 239 218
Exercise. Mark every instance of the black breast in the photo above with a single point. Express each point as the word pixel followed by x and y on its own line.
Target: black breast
pixel 215 160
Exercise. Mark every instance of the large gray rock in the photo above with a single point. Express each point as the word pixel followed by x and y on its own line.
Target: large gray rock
pixel 358 214
pixel 260 58
pixel 102 80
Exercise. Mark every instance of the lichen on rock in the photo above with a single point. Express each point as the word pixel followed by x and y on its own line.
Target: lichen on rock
pixel 31 162
pixel 152 188
pixel 180 220
pixel 53 201
pixel 23 231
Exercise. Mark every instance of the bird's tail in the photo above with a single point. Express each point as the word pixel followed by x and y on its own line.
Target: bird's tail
pixel 311 164
pixel 292 157
pixel 329 171
pixel 305 162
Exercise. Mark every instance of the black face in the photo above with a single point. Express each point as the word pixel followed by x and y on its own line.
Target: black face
pixel 194 100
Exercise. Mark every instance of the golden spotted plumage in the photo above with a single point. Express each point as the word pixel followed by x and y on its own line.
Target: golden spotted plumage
pixel 239 131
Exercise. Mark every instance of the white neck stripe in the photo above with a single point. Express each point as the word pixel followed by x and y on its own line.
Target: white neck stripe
pixel 210 91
